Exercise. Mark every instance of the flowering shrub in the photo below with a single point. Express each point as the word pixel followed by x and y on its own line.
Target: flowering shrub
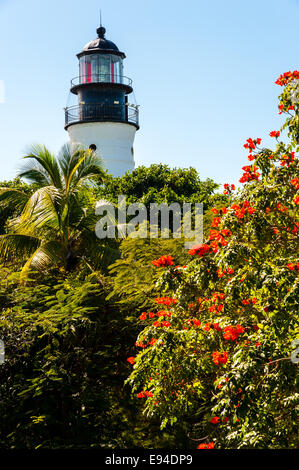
pixel 221 360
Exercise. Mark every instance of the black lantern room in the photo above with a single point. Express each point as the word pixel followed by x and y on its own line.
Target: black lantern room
pixel 101 88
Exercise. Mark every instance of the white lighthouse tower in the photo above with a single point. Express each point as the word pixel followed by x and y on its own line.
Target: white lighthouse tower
pixel 103 119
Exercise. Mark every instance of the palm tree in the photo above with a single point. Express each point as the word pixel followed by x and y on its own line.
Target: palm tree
pixel 54 225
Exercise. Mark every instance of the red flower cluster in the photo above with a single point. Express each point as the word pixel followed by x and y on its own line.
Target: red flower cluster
pixel 252 143
pixel 143 316
pixel 250 173
pixel 193 321
pixel 287 77
pixel 229 188
pixel 199 250
pixel 293 266
pixel 295 182
pixel 218 237
pixel 131 360
pixel 209 445
pixel 215 420
pixel 296 200
pixel 232 333
pixel 240 211
pixel 163 313
pixel 221 211
pixel 215 309
pixel 249 301
pixel 287 159
pixel 217 296
pixel 219 357
pixel 166 301
pixel 274 134
pixel 163 324
pixel 142 345
pixel 144 394
pixel 281 208
pixel 225 271
pixel 281 108
pixel 216 221
pixel 163 261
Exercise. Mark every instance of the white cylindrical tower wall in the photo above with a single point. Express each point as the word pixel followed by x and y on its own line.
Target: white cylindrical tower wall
pixel 114 143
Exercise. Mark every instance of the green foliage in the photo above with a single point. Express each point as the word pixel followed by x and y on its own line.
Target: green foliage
pixel 8 210
pixel 62 384
pixel 159 183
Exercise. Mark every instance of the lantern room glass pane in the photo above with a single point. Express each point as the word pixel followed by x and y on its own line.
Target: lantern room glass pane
pixel 104 68
pixel 101 68
pixel 94 67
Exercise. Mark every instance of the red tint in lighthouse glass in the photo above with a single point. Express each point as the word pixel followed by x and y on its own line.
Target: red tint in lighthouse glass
pixel 88 72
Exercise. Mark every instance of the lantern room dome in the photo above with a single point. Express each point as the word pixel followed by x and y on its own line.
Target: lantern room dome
pixel 101 44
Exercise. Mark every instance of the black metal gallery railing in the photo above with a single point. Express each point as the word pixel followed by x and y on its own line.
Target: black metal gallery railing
pixel 102 112
pixel 101 78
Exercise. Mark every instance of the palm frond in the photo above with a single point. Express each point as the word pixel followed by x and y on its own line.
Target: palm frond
pixel 13 198
pixel 79 165
pixel 41 209
pixel 48 254
pixel 92 167
pixel 44 169
pixel 17 246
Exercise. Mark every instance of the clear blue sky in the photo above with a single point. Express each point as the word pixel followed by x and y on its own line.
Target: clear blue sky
pixel 203 74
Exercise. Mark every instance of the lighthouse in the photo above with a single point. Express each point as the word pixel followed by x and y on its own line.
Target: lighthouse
pixel 102 114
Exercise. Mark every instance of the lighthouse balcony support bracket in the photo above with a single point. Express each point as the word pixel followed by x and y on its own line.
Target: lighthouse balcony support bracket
pixel 102 113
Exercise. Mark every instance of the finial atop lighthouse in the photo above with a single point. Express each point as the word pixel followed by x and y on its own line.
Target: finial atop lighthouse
pixel 101 30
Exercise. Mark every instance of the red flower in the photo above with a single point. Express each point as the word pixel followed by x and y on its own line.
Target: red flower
pixel 287 77
pixel 216 327
pixel 250 173
pixel 199 250
pixel 219 357
pixel 165 301
pixel 215 420
pixel 295 182
pixel 216 222
pixel 209 445
pixel 291 266
pixel 163 261
pixel 233 332
pixel 145 393
pixel 228 188
pixel 131 360
pixel 274 134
